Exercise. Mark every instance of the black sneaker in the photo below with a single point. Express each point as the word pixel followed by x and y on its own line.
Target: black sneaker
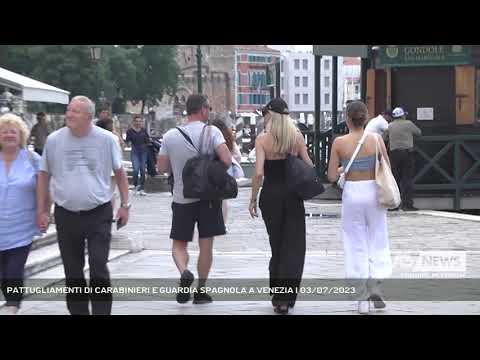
pixel 201 297
pixel 186 280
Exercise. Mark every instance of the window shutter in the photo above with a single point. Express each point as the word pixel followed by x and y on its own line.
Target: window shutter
pixel 465 94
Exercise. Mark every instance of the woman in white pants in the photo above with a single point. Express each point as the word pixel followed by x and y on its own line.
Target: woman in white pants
pixel 364 221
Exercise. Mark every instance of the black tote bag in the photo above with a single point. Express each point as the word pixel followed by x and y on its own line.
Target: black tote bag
pixel 302 179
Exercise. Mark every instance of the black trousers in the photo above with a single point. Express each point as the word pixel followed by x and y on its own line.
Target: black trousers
pixel 72 229
pixel 284 217
pixel 152 162
pixel 403 168
pixel 12 267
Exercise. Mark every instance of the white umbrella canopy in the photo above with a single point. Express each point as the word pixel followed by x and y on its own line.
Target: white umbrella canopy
pixel 33 90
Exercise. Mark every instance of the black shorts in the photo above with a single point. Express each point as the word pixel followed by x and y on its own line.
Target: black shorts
pixel 208 215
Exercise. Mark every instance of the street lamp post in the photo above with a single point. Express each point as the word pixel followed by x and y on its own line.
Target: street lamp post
pixel 96 54
pixel 199 69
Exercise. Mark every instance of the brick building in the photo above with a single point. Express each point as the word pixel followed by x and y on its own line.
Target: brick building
pixel 251 63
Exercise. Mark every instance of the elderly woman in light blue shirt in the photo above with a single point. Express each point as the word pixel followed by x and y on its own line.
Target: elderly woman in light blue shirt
pixel 18 226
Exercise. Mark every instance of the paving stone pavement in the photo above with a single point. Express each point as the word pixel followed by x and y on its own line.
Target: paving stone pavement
pixel 244 253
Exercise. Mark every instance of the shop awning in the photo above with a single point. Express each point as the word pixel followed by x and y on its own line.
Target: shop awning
pixel 33 90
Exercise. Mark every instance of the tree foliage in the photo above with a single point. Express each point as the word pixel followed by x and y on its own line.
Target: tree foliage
pixel 126 72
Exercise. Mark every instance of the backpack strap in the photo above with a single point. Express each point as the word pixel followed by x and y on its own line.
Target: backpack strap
pixel 187 138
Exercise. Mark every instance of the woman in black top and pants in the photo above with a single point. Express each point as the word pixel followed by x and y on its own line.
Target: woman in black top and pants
pixel 282 211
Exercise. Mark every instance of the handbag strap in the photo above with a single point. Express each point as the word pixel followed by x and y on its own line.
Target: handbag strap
pixel 357 150
pixel 202 140
pixel 378 152
pixel 187 138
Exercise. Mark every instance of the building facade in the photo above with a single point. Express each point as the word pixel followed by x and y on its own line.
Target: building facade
pixel 297 84
pixel 218 76
pixel 252 63
pixel 352 78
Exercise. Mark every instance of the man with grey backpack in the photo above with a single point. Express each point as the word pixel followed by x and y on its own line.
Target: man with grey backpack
pixel 174 154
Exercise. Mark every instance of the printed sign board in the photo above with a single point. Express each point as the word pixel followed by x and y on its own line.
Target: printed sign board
pixel 424 55
pixel 424 113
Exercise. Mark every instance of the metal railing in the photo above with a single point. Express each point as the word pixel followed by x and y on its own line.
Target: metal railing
pixel 325 141
pixel 447 165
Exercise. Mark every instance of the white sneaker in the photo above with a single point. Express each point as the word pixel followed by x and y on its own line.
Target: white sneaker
pixel 9 310
pixel 131 187
pixel 363 307
pixel 142 193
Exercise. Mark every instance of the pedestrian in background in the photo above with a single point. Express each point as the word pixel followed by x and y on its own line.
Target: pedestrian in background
pixel 364 221
pixel 379 124
pixel 18 187
pixel 138 137
pixel 235 169
pixel 282 210
pixel 39 133
pixel 400 134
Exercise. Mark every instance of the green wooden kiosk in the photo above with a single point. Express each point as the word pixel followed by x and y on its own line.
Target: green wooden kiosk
pixel 439 87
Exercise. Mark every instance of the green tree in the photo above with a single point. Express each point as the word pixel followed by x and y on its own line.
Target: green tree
pixel 127 72
pixel 65 66
pixel 156 72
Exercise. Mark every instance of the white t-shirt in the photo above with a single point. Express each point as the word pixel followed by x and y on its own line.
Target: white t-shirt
pixel 377 125
pixel 81 167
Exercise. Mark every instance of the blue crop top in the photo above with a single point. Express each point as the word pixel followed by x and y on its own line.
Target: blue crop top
pixel 361 163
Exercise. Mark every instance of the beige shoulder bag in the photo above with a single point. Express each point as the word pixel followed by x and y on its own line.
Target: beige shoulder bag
pixel 387 188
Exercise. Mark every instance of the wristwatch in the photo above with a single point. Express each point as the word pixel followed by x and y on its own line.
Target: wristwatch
pixel 126 206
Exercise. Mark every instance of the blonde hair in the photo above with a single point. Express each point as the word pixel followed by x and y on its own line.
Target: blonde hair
pixel 283 131
pixel 17 122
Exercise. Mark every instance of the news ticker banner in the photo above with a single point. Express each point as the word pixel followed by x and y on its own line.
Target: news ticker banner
pixel 261 289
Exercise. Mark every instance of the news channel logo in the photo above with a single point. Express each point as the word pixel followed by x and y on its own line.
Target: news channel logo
pixel 430 264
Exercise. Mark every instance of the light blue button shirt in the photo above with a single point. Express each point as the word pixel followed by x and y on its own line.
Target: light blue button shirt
pixel 18 203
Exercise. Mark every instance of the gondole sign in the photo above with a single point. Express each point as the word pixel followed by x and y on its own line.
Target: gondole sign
pixel 424 55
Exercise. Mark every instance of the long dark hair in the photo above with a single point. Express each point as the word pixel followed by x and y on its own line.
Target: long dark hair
pixel 227 133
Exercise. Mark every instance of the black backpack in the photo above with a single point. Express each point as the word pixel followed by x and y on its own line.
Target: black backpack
pixel 205 176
